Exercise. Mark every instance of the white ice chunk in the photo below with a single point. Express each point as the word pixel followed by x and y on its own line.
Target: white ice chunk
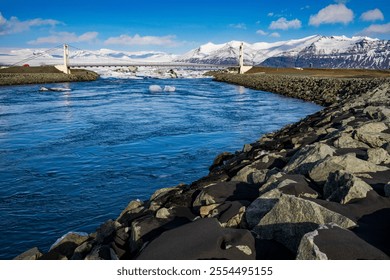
pixel 169 88
pixel 155 88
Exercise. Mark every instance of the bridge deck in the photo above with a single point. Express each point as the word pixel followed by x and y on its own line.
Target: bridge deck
pixel 151 64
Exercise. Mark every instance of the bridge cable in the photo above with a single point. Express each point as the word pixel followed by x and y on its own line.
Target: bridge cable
pixel 34 56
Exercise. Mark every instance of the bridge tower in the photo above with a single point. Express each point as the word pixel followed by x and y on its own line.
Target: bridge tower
pixel 242 68
pixel 65 67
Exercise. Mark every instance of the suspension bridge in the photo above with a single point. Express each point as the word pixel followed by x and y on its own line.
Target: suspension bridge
pixel 67 65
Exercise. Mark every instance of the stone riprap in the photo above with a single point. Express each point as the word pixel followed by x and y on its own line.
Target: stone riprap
pixel 316 189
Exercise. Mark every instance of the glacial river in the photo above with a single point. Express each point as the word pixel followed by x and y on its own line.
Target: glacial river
pixel 69 161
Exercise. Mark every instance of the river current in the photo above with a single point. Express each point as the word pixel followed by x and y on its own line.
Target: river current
pixel 71 160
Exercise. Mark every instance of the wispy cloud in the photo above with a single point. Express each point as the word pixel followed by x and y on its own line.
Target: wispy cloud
pixel 335 13
pixel 372 15
pixel 261 32
pixel 138 40
pixel 376 29
pixel 238 25
pixel 14 25
pixel 274 35
pixel 284 24
pixel 65 37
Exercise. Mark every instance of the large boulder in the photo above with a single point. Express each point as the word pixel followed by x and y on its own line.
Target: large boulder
pixel 303 161
pixel 65 246
pixel 202 239
pixel 292 217
pixel 331 242
pixel 346 141
pixel 343 187
pixel 349 163
pixel 278 184
pixel 373 134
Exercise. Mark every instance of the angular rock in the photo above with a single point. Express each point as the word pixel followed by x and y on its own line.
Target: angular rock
pixel 292 184
pixel 205 211
pixel 220 160
pixel 331 242
pixel 163 213
pixel 104 252
pixel 343 187
pixel 106 232
pixel 378 156
pixel 134 206
pixel 293 217
pixel 304 160
pixel 251 175
pixel 65 246
pixel 226 191
pixel 346 141
pixel 32 254
pixel 349 163
pixel 202 239
pixel 161 197
pixel 372 134
pixel 82 251
pixel 230 213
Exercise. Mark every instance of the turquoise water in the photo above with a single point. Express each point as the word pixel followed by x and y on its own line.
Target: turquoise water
pixel 69 161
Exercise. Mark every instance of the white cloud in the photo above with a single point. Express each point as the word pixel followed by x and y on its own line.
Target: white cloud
pixel 337 13
pixel 376 29
pixel 270 14
pixel 238 25
pixel 14 25
pixel 275 35
pixel 261 32
pixel 284 24
pixel 66 37
pixel 142 40
pixel 372 15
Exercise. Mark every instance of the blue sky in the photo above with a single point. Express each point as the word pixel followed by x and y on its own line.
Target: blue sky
pixel 177 26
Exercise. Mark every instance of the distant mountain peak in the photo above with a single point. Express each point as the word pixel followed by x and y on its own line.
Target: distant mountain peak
pixel 316 51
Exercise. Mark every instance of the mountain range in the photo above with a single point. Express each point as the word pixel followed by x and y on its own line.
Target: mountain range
pixel 313 51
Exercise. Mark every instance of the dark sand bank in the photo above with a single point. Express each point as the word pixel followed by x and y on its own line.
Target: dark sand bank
pixel 42 74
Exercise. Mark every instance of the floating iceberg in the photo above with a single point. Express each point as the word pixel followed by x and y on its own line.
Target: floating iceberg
pixel 169 88
pixel 155 88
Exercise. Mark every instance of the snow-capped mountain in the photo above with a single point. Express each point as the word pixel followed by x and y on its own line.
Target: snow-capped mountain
pixel 36 57
pixel 316 51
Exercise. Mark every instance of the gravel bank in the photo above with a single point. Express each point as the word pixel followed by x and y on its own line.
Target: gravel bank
pixel 40 77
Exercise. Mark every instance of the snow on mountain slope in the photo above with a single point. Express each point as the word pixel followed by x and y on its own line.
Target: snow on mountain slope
pixel 315 51
pixel 253 53
pixel 45 57
pixel 337 52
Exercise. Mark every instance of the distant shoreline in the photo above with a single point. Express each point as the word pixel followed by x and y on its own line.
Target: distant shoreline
pixel 41 75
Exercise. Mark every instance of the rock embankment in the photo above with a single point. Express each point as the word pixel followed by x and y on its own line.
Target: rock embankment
pixel 20 76
pixel 321 90
pixel 316 189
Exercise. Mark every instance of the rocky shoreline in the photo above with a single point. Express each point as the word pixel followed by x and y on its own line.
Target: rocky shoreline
pixel 320 90
pixel 316 189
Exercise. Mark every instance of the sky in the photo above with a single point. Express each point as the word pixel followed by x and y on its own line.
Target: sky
pixel 177 26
